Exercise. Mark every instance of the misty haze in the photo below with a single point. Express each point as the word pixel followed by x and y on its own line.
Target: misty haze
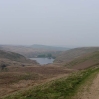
pixel 49 49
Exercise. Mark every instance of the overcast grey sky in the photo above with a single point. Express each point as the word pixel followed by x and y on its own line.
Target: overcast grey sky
pixel 49 22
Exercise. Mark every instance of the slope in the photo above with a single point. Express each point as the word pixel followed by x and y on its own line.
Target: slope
pixel 30 51
pixel 11 55
pixel 70 55
pixel 6 57
pixel 64 88
pixel 85 61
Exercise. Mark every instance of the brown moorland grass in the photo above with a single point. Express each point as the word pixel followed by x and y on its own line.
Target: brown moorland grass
pixel 88 60
pixel 16 78
pixel 63 88
pixel 72 54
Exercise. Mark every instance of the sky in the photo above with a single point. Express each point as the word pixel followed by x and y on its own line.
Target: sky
pixel 49 22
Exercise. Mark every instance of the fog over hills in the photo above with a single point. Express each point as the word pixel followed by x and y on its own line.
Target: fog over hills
pixel 49 49
pixel 46 47
pixel 34 50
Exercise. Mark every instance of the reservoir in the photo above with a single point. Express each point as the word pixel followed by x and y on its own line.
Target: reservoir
pixel 43 61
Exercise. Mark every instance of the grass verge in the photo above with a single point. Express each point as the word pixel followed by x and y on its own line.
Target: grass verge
pixel 64 88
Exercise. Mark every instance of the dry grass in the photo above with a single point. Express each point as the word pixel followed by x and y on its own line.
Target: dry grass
pixel 85 61
pixel 72 54
pixel 17 77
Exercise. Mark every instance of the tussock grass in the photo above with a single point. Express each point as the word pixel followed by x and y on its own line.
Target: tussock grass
pixel 64 88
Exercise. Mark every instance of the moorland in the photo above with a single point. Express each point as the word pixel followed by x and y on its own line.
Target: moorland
pixel 73 75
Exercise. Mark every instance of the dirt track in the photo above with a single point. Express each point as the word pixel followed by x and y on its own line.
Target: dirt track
pixel 92 92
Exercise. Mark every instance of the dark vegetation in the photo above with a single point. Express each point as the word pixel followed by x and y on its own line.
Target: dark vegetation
pixel 49 55
pixel 3 67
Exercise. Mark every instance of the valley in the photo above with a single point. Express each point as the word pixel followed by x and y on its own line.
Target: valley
pixel 22 78
pixel 49 49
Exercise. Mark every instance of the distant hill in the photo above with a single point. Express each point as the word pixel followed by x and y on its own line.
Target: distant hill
pixel 45 47
pixel 88 60
pixel 70 55
pixel 32 51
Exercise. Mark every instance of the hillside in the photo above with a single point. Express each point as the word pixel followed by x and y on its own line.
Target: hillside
pixel 69 87
pixel 30 51
pixel 53 82
pixel 10 57
pixel 70 55
pixel 88 60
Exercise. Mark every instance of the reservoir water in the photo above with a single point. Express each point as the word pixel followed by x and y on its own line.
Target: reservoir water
pixel 43 61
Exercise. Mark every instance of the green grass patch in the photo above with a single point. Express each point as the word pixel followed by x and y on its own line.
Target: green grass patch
pixel 64 88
